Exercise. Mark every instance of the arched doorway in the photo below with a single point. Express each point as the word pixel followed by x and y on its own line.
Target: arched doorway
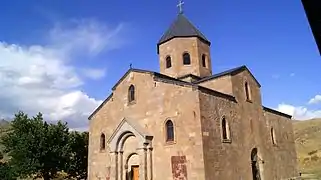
pixel 132 167
pixel 255 165
pixel 131 152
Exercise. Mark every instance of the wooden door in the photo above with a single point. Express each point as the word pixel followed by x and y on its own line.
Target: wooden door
pixel 135 170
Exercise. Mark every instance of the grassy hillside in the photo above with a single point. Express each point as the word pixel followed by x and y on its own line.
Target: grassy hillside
pixel 308 145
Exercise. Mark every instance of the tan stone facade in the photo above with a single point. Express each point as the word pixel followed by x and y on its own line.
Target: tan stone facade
pixel 162 126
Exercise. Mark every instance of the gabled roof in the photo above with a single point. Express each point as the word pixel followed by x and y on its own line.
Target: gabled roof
pixel 182 27
pixel 276 112
pixel 148 72
pixel 228 72
pixel 313 12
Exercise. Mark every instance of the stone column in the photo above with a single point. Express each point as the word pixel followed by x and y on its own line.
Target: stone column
pixel 145 164
pixel 150 163
pixel 121 165
pixel 126 171
pixel 114 169
pixel 142 152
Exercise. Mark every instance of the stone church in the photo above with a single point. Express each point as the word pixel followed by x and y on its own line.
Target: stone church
pixel 187 123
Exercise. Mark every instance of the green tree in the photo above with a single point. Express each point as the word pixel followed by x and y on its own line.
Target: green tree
pixel 37 148
pixel 5 170
pixel 79 155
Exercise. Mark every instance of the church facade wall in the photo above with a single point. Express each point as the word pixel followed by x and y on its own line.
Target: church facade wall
pixel 277 162
pixel 283 147
pixel 155 103
pixel 250 128
pixel 221 159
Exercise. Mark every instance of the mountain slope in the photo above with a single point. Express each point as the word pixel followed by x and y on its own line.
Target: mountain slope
pixel 308 145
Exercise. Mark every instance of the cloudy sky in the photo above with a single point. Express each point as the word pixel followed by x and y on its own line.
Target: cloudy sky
pixel 61 57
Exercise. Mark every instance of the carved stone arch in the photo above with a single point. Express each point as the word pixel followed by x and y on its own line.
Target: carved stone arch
pixel 124 130
pixel 121 140
pixel 129 156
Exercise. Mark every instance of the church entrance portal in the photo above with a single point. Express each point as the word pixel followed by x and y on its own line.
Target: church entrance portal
pixel 131 151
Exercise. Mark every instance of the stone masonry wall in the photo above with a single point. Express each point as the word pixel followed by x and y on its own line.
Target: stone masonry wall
pixel 155 103
pixel 222 84
pixel 250 128
pixel 222 160
pixel 175 49
pixel 252 114
pixel 285 164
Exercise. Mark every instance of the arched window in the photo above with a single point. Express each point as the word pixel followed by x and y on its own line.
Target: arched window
pixel 224 129
pixel 247 91
pixel 255 165
pixel 102 141
pixel 169 131
pixel 131 93
pixel 273 136
pixel 186 59
pixel 204 60
pixel 168 62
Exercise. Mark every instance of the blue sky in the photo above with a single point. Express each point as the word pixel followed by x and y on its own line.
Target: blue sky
pixel 271 37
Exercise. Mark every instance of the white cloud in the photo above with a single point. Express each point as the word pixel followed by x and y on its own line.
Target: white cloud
pixel 299 112
pixel 94 73
pixel 316 99
pixel 86 35
pixel 43 79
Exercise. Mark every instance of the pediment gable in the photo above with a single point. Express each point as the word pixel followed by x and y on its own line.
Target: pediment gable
pixel 128 73
pixel 128 128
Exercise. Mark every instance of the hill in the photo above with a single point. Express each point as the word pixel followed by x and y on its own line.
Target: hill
pixel 4 123
pixel 308 145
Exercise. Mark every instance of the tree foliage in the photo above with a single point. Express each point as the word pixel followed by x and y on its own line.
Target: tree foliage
pixel 39 149
pixel 78 157
pixel 6 172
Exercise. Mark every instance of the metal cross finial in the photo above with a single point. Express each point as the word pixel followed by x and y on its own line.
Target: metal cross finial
pixel 130 65
pixel 180 6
